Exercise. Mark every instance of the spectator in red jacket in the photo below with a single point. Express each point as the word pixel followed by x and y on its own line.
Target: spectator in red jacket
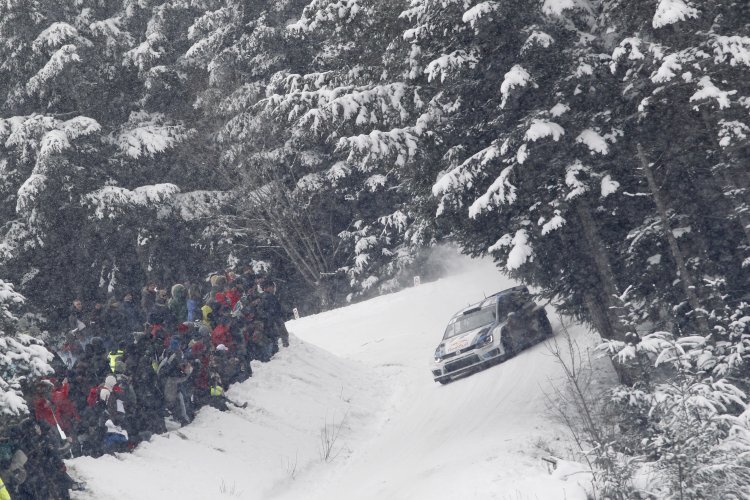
pixel 52 405
pixel 43 409
pixel 230 296
pixel 65 410
pixel 221 334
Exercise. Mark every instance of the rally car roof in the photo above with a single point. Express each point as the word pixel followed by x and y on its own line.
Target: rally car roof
pixel 491 300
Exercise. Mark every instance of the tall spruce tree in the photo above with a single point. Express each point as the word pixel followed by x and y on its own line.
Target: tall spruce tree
pixel 680 68
pixel 313 130
pixel 97 168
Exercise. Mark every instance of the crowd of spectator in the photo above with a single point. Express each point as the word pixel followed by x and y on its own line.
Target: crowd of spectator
pixel 125 370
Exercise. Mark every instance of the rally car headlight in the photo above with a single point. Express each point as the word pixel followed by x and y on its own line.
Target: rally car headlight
pixel 483 339
pixel 439 353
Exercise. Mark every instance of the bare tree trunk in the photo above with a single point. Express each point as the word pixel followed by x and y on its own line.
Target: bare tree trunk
pixel 601 306
pixel 598 312
pixel 599 252
pixel 288 225
pixel 610 321
pixel 686 280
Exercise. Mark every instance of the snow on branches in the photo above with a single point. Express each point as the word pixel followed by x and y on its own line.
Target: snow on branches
pixel 732 132
pixel 448 64
pixel 515 78
pixel 55 36
pixel 673 11
pixel 573 181
pixel 537 39
pixel 9 299
pixel 29 192
pixel 542 128
pixel 111 31
pixel 147 53
pixel 109 201
pixel 520 252
pixel 147 134
pixel 22 357
pixel 322 107
pixel 556 222
pixel 479 11
pixel 48 133
pixel 462 175
pixel 62 59
pixel 53 142
pixel 320 12
pixel 80 126
pixel 694 426
pixel 501 191
pixel 557 7
pixel 208 33
pixel 397 145
pixel 734 50
pixel 708 91
pixel 593 141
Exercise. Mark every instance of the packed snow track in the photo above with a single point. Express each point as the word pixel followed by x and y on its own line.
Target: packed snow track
pixel 350 411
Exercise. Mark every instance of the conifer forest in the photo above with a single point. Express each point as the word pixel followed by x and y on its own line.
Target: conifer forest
pixel 597 150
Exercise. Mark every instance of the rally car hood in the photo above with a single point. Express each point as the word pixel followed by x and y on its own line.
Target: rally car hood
pixel 462 341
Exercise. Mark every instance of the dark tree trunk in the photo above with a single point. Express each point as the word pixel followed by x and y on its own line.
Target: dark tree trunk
pixel 686 280
pixel 609 324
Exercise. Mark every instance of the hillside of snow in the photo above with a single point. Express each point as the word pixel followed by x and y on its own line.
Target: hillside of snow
pixel 350 411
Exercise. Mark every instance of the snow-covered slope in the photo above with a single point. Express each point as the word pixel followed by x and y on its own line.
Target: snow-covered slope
pixel 355 385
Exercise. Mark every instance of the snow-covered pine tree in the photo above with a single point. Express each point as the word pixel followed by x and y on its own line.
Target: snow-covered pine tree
pixel 366 116
pixel 93 163
pixel 164 189
pixel 529 166
pixel 28 36
pixel 560 167
pixel 235 50
pixel 23 358
pixel 690 433
pixel 309 101
pixel 694 232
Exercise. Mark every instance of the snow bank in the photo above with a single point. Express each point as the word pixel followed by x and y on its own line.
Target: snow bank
pixel 255 452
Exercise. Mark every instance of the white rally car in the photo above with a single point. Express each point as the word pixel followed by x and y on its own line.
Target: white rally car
pixel 488 332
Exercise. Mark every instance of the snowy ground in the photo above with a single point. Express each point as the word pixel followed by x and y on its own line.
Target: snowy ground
pixel 355 385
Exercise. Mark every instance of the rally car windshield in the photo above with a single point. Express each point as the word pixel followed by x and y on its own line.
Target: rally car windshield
pixel 471 321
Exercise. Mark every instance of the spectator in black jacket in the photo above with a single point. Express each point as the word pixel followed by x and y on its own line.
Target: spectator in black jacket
pixel 76 317
pixel 46 475
pixel 160 313
pixel 269 311
pixel 148 298
pixel 133 317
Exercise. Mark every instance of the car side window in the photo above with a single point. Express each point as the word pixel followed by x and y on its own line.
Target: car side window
pixel 504 306
pixel 521 301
